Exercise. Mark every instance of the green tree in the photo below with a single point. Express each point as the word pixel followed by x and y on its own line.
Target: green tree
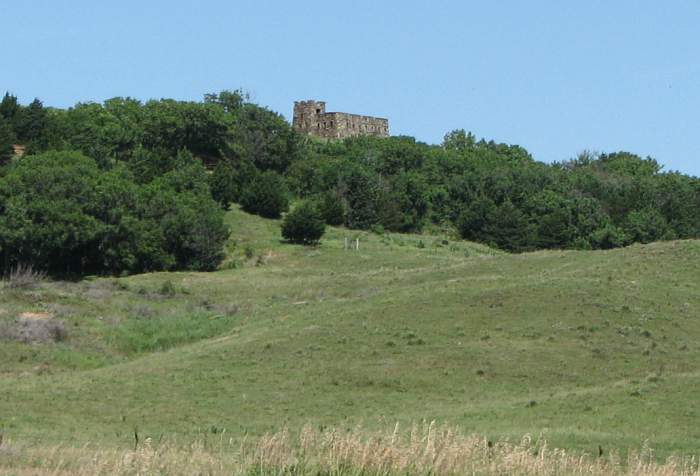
pixel 330 206
pixel 230 179
pixel 360 191
pixel 647 225
pixel 191 225
pixel 304 224
pixel 230 101
pixel 266 195
pixel 509 229
pixel 475 218
pixel 7 138
pixel 30 127
pixel 171 125
pixel 608 237
pixel 46 203
pixel 9 107
pixel 60 212
pixel 147 164
pixel 409 194
pixel 265 138
pixel 459 140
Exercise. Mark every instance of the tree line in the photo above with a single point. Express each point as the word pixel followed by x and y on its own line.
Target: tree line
pixel 130 186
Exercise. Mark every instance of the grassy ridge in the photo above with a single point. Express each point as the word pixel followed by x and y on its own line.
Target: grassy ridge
pixel 583 348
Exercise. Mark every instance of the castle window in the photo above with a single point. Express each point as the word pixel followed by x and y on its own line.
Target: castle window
pixel 318 111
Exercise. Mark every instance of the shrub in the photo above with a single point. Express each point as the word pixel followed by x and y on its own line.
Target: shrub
pixel 61 213
pixel 186 229
pixel 330 206
pixel 266 195
pixel 31 330
pixel 167 288
pixel 303 225
pixel 645 226
pixel 608 238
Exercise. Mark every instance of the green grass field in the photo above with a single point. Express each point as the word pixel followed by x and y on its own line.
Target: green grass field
pixel 581 348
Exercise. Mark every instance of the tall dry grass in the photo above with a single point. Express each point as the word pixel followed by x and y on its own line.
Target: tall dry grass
pixel 423 449
pixel 23 277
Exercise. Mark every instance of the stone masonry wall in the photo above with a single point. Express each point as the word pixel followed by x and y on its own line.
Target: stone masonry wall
pixel 311 118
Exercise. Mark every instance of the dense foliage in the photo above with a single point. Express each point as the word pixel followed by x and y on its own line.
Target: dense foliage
pixel 303 225
pixel 498 194
pixel 266 195
pixel 130 192
pixel 59 211
pixel 115 187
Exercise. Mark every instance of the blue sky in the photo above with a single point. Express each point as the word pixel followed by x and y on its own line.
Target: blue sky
pixel 555 77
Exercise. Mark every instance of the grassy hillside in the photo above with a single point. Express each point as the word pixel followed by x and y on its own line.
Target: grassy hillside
pixel 582 348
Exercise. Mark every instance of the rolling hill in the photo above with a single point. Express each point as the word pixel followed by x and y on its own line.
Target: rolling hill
pixel 581 348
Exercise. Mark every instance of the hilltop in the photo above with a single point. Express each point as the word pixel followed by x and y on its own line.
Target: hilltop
pixel 584 348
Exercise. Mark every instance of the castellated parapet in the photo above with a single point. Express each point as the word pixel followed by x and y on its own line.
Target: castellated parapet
pixel 311 118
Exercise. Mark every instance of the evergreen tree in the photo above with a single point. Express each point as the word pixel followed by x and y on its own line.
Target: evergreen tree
pixel 303 225
pixel 31 123
pixel 9 107
pixel 361 192
pixel 230 179
pixel 7 138
pixel 266 195
pixel 330 206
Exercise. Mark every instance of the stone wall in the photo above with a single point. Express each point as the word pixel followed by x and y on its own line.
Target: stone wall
pixel 311 118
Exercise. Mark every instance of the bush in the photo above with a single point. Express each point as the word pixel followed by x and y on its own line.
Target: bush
pixel 32 330
pixel 330 206
pixel 608 238
pixel 266 195
pixel 645 226
pixel 59 212
pixel 303 225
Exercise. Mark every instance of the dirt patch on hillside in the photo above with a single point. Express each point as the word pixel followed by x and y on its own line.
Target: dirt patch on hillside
pixel 33 327
pixel 35 316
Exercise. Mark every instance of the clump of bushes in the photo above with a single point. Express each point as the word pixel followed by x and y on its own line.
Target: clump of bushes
pixel 303 225
pixel 60 212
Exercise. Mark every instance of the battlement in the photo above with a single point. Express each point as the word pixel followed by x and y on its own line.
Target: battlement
pixel 311 118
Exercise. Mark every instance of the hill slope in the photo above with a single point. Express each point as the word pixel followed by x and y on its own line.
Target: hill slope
pixel 583 348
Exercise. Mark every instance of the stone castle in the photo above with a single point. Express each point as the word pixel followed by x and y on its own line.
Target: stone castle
pixel 311 118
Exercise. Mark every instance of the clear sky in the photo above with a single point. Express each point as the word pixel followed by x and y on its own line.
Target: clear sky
pixel 556 77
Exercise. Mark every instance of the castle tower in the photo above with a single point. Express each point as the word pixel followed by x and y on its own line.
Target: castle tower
pixel 307 116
